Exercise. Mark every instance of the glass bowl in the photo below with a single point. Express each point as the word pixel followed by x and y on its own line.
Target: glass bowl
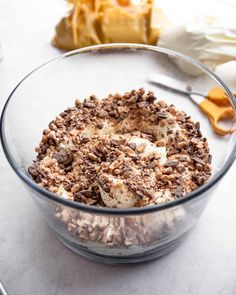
pixel 111 235
pixel 2 289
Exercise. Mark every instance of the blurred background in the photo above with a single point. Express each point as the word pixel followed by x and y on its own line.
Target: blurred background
pixel 32 31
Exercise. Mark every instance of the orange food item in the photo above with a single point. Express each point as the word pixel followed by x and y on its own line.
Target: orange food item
pixel 218 96
pixel 216 114
pixel 124 2
pixel 217 106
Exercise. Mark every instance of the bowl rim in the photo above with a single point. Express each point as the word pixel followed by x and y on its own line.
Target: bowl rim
pixel 2 289
pixel 104 210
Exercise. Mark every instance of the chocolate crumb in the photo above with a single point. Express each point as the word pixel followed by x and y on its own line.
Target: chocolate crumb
pixel 99 125
pixel 178 191
pixel 84 140
pixel 171 163
pixel 161 115
pixel 133 146
pixel 33 171
pixel 89 105
pixel 198 160
pixel 63 157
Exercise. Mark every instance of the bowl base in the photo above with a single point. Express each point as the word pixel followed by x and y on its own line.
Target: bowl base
pixel 155 253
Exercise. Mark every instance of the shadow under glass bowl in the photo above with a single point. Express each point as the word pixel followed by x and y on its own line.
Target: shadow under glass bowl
pixel 104 234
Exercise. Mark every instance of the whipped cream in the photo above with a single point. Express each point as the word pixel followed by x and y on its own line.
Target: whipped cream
pixel 209 39
pixel 150 149
pixel 120 196
pixel 91 130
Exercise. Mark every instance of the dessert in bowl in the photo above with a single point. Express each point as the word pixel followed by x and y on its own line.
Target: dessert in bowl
pixel 120 177
pixel 121 152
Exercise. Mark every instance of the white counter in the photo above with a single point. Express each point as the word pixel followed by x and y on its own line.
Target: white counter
pixel 33 261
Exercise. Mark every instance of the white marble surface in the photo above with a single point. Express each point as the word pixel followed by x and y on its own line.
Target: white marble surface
pixel 33 261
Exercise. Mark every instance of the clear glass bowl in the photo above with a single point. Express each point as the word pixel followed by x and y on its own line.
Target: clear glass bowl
pixel 103 234
pixel 2 289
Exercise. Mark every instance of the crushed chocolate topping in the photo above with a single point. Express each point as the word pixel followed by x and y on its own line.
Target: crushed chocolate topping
pixel 63 158
pixel 161 115
pixel 122 150
pixel 178 191
pixel 171 163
